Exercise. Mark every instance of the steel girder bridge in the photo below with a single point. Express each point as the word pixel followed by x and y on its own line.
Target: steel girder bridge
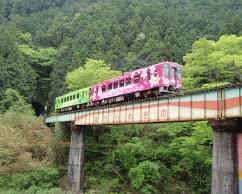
pixel 221 106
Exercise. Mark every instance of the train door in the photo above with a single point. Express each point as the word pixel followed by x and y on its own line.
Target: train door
pixel 173 75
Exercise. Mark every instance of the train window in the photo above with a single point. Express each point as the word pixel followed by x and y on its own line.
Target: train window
pixel 110 86
pixel 155 72
pixel 121 83
pixel 179 73
pixel 148 74
pixel 77 96
pixel 172 72
pixel 103 88
pixel 64 99
pixel 115 85
pixel 176 74
pixel 74 97
pixel 70 97
pixel 136 78
pixel 167 70
pixel 128 81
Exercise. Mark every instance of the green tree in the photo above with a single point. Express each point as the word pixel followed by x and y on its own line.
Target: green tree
pixel 214 61
pixel 11 100
pixel 66 61
pixel 117 51
pixel 42 61
pixel 188 154
pixel 94 71
pixel 146 176
pixel 15 72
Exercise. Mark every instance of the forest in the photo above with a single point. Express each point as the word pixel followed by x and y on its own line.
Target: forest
pixel 48 48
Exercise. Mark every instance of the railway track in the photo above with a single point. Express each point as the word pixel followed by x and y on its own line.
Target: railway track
pixel 163 96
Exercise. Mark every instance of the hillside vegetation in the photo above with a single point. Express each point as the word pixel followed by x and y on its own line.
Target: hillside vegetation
pixel 48 48
pixel 43 40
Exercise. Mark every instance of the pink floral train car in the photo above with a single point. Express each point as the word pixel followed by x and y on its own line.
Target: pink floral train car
pixel 153 80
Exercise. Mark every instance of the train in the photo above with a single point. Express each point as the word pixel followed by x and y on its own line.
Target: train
pixel 148 82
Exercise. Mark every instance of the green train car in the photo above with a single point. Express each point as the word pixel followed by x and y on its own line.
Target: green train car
pixel 73 100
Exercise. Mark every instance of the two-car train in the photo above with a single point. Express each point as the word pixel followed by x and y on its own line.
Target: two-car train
pixel 155 80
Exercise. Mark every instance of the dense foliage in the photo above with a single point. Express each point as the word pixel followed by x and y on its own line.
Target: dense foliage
pixel 27 148
pixel 41 41
pixel 214 61
pixel 93 72
pixel 171 158
pixel 50 47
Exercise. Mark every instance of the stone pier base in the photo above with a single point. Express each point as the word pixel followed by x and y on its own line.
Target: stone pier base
pixel 76 160
pixel 225 178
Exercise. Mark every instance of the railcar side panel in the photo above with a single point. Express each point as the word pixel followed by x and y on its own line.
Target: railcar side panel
pixel 165 74
pixel 71 99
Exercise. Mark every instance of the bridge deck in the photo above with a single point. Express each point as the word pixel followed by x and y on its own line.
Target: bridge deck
pixel 219 103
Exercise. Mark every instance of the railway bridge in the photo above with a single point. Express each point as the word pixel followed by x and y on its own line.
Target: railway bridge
pixel 221 106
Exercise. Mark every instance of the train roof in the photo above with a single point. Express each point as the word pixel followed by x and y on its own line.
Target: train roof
pixel 73 92
pixel 127 74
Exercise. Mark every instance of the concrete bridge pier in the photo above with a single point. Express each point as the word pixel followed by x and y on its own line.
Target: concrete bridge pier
pixel 76 159
pixel 225 171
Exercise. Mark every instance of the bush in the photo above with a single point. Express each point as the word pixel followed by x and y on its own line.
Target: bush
pixel 128 155
pixel 34 191
pixel 145 177
pixel 43 178
pixel 25 143
pixel 4 181
pixel 104 186
pixel 12 100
